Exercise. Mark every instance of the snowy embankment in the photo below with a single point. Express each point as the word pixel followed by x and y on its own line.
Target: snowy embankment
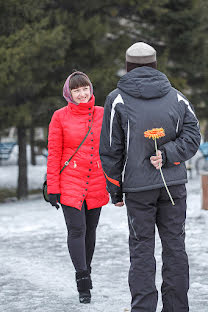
pixel 9 171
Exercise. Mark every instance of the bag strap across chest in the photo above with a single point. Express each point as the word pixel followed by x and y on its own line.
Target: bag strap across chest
pixel 67 162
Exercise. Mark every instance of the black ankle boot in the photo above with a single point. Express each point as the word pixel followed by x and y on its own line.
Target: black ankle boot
pixel 85 296
pixel 84 284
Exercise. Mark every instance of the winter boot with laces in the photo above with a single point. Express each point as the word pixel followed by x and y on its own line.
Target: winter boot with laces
pixel 84 284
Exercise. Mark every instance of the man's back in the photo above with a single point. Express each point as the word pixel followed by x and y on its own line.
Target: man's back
pixel 144 100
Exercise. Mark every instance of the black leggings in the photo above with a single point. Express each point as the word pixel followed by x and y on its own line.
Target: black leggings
pixel 81 226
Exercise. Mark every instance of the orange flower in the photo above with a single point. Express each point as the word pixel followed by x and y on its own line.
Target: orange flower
pixel 155 133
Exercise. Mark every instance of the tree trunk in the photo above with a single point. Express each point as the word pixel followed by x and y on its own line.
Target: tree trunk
pixel 206 132
pixel 22 188
pixel 204 183
pixel 0 158
pixel 32 136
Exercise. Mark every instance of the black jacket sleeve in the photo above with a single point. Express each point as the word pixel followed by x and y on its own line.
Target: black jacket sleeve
pixel 112 148
pixel 187 142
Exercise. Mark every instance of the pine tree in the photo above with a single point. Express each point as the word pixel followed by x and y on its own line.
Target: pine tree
pixel 32 47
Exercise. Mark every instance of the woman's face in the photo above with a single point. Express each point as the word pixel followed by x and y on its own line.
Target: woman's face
pixel 81 94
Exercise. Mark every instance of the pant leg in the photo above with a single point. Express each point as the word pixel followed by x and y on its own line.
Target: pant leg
pixel 76 227
pixel 92 219
pixel 175 270
pixel 141 211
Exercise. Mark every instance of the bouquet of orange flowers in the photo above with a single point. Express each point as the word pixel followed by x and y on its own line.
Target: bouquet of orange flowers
pixel 157 133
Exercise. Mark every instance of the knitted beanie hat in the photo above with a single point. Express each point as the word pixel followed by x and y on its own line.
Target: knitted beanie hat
pixel 140 53
pixel 67 92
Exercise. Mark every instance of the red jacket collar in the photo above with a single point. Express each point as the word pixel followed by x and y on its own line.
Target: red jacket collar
pixel 82 108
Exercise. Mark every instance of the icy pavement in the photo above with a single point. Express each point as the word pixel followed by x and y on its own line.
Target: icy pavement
pixel 37 275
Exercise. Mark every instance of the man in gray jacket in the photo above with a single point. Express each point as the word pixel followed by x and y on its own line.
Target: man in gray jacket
pixel 144 99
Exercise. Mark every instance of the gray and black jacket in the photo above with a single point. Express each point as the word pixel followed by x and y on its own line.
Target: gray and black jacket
pixel 144 100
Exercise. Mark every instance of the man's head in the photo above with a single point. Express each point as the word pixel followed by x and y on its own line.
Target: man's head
pixel 140 54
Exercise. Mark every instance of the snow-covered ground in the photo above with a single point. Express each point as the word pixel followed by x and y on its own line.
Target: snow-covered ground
pixel 9 176
pixel 9 171
pixel 36 272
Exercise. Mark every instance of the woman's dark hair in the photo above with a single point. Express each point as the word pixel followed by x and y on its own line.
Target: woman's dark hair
pixel 130 66
pixel 77 81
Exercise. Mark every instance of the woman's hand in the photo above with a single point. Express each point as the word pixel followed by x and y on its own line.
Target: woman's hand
pixel 54 199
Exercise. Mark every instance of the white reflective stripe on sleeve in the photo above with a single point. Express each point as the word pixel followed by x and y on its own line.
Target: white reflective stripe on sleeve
pixel 127 149
pixel 177 125
pixel 180 98
pixel 117 100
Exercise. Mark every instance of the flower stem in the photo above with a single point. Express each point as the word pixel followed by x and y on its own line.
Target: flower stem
pixel 163 176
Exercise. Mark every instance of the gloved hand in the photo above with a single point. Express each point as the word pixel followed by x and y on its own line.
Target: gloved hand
pixel 117 198
pixel 54 199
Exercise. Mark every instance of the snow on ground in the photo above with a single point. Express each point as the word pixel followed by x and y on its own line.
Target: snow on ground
pixel 9 176
pixel 36 271
pixel 9 171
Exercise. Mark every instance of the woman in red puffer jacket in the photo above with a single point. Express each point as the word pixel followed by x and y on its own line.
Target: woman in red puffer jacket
pixel 81 187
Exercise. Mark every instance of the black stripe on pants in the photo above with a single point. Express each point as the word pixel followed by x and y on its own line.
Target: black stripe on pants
pixel 81 227
pixel 145 210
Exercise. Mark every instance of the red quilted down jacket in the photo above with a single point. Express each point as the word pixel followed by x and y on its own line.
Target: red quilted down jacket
pixel 83 178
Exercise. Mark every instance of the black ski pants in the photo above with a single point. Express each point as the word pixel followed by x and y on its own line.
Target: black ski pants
pixel 145 210
pixel 81 227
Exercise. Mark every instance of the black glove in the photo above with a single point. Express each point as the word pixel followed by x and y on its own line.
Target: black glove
pixel 53 199
pixel 116 197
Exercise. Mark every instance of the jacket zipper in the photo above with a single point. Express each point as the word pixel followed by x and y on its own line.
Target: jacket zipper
pixel 75 164
pixel 98 164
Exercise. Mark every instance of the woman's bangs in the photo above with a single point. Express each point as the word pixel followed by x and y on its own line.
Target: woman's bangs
pixel 78 81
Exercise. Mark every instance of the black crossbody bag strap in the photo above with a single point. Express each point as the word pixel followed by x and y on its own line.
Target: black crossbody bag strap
pixel 67 162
